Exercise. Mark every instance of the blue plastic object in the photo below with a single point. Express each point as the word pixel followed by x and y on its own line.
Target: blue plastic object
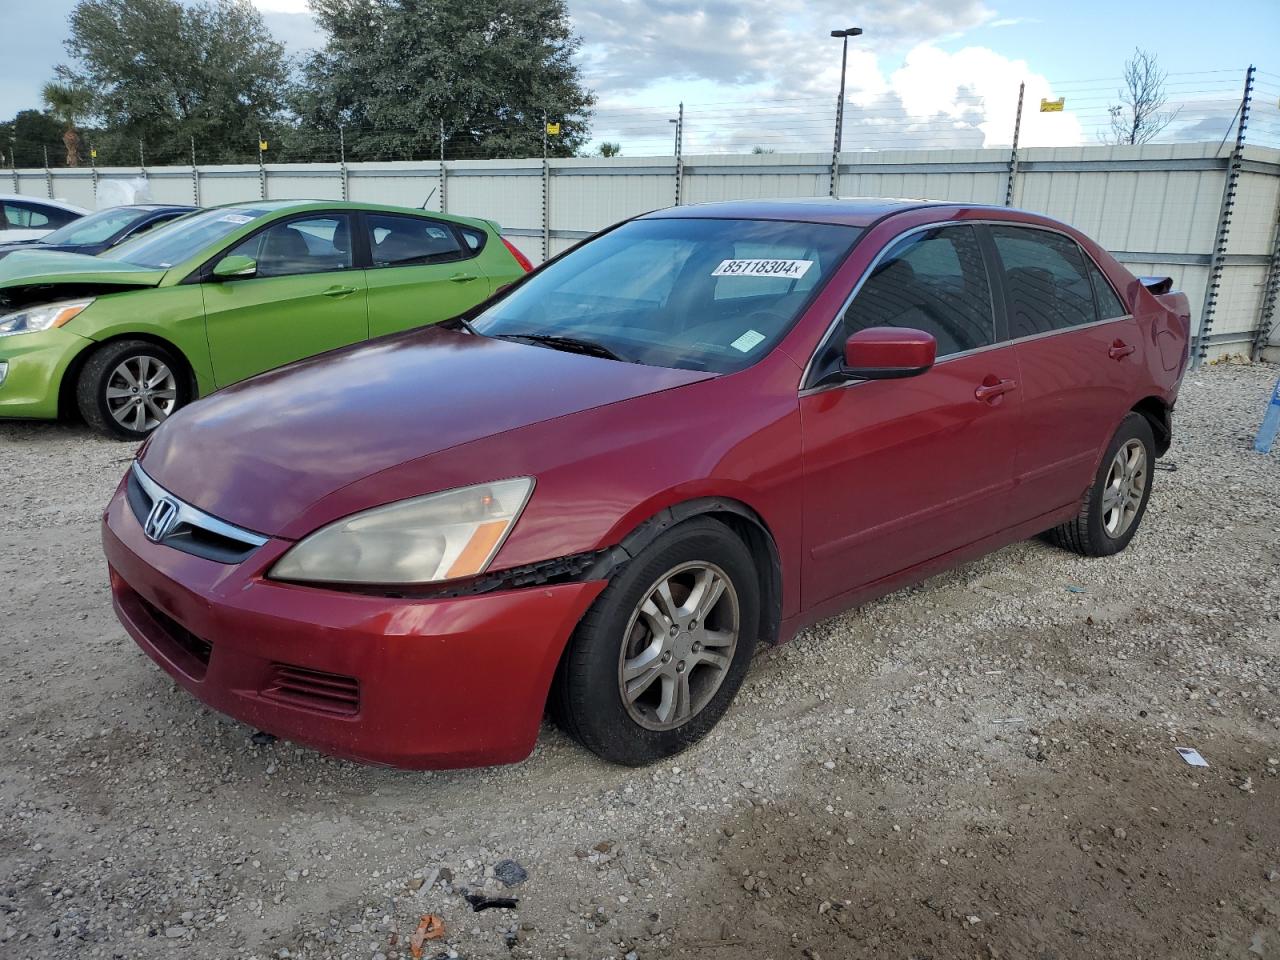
pixel 1270 423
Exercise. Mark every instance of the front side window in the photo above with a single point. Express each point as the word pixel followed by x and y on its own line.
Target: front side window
pixel 696 294
pixel 1045 280
pixel 410 241
pixel 294 247
pixel 181 239
pixel 933 281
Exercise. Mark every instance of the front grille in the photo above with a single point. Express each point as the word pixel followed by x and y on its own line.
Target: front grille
pixel 194 531
pixel 314 690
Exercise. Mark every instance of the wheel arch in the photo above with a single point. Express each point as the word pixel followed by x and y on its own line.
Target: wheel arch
pixel 745 522
pixel 67 388
pixel 1160 415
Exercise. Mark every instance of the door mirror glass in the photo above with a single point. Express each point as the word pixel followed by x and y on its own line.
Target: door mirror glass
pixel 235 267
pixel 887 353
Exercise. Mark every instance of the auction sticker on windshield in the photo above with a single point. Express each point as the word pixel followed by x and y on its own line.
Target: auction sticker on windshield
pixel 787 269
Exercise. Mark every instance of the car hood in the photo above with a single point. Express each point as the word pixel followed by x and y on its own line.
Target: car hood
pixel 261 452
pixel 36 267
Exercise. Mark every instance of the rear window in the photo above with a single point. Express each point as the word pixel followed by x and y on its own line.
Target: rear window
pixel 697 294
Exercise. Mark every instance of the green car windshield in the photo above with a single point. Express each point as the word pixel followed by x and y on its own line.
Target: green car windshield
pixel 182 239
pixel 696 294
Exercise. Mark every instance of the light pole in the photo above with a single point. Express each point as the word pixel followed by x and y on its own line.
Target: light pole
pixel 844 35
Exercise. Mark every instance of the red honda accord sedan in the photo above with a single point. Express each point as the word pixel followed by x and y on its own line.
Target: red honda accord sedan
pixel 703 428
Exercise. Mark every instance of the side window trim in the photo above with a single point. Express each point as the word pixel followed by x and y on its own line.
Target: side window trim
pixel 1097 271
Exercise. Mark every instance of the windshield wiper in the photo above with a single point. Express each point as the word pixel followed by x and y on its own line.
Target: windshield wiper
pixel 568 344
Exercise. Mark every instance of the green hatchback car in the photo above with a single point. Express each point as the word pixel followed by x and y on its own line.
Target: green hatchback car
pixel 131 335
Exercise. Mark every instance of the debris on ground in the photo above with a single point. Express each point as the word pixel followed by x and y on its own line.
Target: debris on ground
pixel 430 927
pixel 510 873
pixel 261 738
pixel 1192 757
pixel 480 902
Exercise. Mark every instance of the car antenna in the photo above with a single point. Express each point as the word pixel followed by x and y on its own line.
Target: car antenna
pixel 428 200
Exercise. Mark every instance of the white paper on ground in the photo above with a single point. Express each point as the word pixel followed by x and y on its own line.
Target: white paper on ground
pixel 1192 757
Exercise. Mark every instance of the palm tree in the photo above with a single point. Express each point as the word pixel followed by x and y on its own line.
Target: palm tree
pixel 69 104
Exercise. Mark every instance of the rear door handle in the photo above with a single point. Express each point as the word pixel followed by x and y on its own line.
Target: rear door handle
pixel 463 277
pixel 1119 350
pixel 339 291
pixel 991 391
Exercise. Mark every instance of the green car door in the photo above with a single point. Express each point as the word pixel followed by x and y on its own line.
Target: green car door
pixel 300 295
pixel 421 270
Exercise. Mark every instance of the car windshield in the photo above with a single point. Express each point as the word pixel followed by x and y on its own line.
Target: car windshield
pixel 183 238
pixel 697 293
pixel 94 228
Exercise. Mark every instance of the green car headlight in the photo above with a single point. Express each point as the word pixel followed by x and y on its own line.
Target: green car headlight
pixel 442 536
pixel 44 317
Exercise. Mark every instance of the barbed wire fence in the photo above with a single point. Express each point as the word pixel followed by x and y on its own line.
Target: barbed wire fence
pixel 1202 107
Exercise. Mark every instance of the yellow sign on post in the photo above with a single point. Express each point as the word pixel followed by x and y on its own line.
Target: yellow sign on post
pixel 93 153
pixel 1052 106
pixel 553 129
pixel 262 146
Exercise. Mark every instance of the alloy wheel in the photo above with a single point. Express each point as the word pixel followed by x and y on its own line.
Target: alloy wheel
pixel 1125 486
pixel 678 645
pixel 141 392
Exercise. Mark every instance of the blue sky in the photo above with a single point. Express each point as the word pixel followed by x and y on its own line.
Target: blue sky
pixel 926 72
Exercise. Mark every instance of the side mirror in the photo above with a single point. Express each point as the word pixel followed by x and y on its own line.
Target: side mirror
pixel 235 267
pixel 887 353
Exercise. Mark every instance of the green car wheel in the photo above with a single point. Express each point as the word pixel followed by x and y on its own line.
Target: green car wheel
pixel 129 387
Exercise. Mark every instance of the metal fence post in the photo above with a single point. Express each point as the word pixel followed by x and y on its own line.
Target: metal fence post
pixel 195 175
pixel 1013 151
pixel 48 175
pixel 262 170
pixel 142 162
pixel 342 159
pixel 679 153
pixel 13 161
pixel 444 174
pixel 93 165
pixel 1218 257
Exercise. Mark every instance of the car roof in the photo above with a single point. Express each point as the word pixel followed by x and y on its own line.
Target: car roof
pixel 852 211
pixel 276 206
pixel 44 201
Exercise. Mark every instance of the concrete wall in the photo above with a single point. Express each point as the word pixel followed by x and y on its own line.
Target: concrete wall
pixel 1155 207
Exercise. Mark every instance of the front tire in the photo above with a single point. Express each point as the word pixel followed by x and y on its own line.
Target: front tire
pixel 660 655
pixel 1114 506
pixel 129 387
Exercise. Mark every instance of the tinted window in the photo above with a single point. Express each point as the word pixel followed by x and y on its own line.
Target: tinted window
pixel 474 239
pixel 1045 281
pixel 405 241
pixel 313 245
pixel 23 217
pixel 698 294
pixel 933 281
pixel 1109 305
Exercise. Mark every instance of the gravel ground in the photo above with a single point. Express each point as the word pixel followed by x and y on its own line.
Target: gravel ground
pixel 981 766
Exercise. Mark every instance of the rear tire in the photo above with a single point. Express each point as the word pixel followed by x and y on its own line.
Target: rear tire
pixel 658 658
pixel 127 388
pixel 1114 506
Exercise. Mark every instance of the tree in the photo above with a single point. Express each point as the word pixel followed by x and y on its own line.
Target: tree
pixel 26 137
pixel 392 71
pixel 1140 114
pixel 760 151
pixel 608 149
pixel 163 72
pixel 68 104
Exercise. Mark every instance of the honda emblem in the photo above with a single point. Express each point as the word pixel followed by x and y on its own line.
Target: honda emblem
pixel 161 519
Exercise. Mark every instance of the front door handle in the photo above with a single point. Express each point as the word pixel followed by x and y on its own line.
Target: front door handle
pixel 992 389
pixel 339 291
pixel 463 277
pixel 1119 350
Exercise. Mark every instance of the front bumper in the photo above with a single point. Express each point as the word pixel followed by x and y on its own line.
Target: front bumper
pixel 424 684
pixel 36 363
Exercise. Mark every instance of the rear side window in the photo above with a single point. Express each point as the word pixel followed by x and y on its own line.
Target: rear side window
pixel 411 241
pixel 933 281
pixel 1045 279
pixel 1109 305
pixel 474 239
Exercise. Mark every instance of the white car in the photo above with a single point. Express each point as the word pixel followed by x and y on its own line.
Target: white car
pixel 28 218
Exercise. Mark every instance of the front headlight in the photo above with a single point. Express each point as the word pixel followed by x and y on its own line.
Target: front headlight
pixel 44 317
pixel 441 536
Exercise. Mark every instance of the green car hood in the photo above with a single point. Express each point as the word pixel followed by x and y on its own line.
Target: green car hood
pixel 31 268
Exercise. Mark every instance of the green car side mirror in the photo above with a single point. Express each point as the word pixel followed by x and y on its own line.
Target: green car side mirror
pixel 235 268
